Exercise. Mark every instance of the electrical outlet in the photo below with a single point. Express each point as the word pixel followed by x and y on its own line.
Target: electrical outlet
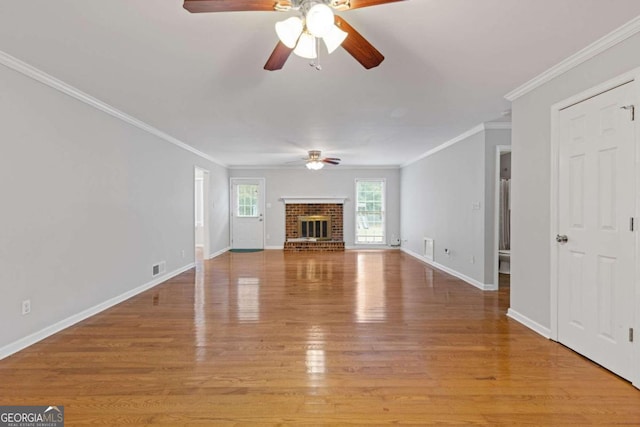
pixel 472 260
pixel 26 307
pixel 183 253
pixel 447 251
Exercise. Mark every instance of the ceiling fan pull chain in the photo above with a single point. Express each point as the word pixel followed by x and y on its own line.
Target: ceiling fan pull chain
pixel 318 66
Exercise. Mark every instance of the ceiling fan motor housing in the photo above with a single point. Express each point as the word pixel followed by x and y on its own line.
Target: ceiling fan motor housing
pixel 314 155
pixel 305 5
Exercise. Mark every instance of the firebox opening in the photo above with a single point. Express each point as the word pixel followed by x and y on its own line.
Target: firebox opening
pixel 317 227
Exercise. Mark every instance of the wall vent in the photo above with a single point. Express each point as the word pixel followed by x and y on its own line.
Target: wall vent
pixel 158 268
pixel 428 248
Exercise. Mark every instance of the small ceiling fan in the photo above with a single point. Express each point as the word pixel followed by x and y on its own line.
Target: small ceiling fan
pixel 315 161
pixel 301 35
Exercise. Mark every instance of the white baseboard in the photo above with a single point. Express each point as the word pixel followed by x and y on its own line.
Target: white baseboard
pixel 531 324
pixel 454 273
pixel 365 247
pixel 218 253
pixel 29 340
pixel 274 248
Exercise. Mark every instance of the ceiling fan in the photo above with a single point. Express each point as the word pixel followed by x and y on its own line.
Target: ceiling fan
pixel 301 35
pixel 315 161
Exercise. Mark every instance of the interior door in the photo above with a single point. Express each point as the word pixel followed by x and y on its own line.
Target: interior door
pixel 596 202
pixel 247 213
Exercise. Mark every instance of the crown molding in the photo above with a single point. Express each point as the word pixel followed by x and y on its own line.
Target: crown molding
pixel 46 79
pixel 447 144
pixel 303 168
pixel 477 129
pixel 613 38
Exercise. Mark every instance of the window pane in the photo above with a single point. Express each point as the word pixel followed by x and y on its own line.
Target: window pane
pixel 247 200
pixel 370 220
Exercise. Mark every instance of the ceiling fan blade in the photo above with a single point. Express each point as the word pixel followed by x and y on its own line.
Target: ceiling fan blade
pixel 356 4
pixel 278 57
pixel 200 6
pixel 331 162
pixel 358 46
pixel 335 159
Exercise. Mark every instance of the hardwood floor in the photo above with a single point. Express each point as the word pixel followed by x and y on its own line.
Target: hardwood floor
pixel 360 337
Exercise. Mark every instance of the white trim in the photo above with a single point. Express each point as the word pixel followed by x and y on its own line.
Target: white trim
pixel 469 280
pixel 46 79
pixel 206 209
pixel 274 248
pixel 220 252
pixel 29 340
pixel 302 200
pixel 531 324
pixel 500 149
pixel 477 129
pixel 613 38
pixel 343 167
pixel 372 247
pixel 553 221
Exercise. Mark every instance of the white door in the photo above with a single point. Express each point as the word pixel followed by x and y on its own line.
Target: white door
pixel 247 213
pixel 596 201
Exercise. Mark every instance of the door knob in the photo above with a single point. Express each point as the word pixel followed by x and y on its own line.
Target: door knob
pixel 562 238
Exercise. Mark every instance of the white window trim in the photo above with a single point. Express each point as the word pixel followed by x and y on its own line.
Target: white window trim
pixel 384 212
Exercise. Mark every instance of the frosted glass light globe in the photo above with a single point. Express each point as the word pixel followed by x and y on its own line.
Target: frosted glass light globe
pixel 320 20
pixel 306 47
pixel 289 31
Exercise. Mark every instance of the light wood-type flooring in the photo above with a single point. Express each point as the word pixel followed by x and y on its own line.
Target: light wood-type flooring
pixel 353 338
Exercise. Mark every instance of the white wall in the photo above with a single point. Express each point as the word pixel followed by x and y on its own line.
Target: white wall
pixel 330 181
pixel 530 205
pixel 438 194
pixel 89 203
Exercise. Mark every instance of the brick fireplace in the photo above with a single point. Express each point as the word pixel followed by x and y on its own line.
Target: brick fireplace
pixel 323 213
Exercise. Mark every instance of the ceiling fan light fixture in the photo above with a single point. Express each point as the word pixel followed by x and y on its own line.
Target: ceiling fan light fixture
pixel 315 165
pixel 289 31
pixel 319 20
pixel 334 38
pixel 306 47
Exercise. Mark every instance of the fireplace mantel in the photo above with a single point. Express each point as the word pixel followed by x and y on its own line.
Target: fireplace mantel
pixel 313 200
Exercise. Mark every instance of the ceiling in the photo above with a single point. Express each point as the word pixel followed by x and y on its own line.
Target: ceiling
pixel 199 77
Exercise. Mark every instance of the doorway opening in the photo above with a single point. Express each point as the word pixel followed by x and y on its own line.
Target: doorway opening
pixel 502 223
pixel 201 214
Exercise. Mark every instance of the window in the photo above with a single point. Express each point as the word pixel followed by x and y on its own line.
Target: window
pixel 370 220
pixel 247 200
